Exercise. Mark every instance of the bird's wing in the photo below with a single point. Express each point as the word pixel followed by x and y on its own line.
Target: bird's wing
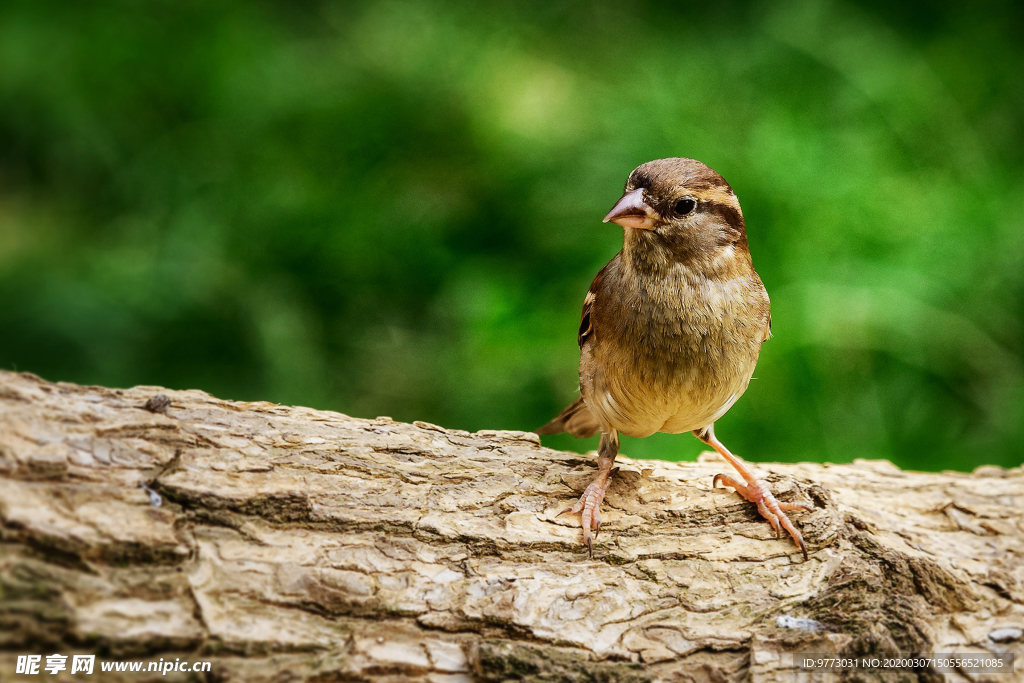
pixel 586 321
pixel 577 419
pixel 767 329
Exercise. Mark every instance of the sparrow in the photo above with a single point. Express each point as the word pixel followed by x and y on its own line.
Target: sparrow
pixel 671 329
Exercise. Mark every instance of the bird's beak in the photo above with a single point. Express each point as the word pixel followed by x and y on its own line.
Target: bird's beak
pixel 632 211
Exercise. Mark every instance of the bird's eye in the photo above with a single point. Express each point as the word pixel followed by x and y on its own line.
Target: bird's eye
pixel 685 206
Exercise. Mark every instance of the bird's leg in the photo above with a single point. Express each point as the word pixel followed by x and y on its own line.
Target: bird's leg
pixel 755 490
pixel 590 502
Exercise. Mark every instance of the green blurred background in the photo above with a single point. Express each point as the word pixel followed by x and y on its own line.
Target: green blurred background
pixel 393 208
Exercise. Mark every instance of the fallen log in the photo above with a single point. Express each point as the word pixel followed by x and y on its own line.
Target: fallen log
pixel 285 543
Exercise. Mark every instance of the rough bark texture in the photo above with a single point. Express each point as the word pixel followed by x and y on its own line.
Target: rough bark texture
pixel 296 544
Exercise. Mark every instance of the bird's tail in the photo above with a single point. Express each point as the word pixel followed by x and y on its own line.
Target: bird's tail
pixel 576 419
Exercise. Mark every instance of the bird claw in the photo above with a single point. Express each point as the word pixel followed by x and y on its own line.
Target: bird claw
pixel 589 504
pixel 757 492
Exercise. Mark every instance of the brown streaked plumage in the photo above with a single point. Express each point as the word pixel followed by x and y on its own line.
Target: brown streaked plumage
pixel 671 328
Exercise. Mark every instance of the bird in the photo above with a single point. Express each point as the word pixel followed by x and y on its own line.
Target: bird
pixel 671 330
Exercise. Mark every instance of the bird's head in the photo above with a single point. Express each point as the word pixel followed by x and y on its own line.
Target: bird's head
pixel 682 206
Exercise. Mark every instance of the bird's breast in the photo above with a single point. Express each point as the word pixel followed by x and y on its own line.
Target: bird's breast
pixel 676 352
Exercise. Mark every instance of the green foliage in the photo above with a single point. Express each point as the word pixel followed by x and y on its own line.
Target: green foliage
pixel 394 207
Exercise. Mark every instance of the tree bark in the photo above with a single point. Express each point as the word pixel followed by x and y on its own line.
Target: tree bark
pixel 289 544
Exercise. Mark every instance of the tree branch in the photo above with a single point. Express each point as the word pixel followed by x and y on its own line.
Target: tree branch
pixel 296 544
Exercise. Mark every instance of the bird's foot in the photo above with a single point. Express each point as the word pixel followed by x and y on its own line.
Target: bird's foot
pixel 757 492
pixel 590 505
